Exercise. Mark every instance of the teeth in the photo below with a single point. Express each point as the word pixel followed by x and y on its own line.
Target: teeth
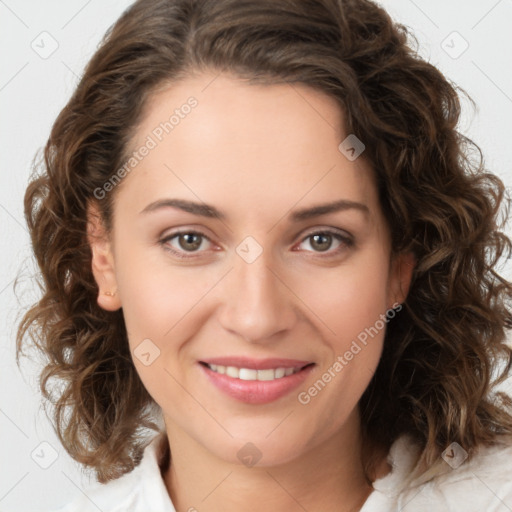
pixel 246 374
pixel 251 374
pixel 266 374
pixel 279 372
pixel 231 371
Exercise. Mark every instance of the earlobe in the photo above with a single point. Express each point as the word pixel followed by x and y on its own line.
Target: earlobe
pixel 108 300
pixel 102 261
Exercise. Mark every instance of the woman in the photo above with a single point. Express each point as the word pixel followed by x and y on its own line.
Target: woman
pixel 262 237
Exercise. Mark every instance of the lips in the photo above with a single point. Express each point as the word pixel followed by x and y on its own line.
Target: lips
pixel 255 381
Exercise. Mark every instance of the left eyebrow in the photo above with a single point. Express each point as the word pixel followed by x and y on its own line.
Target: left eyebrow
pixel 324 209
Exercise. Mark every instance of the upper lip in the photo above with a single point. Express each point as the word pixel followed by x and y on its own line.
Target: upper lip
pixel 256 364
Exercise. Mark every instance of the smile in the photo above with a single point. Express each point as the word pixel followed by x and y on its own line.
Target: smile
pixel 255 381
pixel 252 374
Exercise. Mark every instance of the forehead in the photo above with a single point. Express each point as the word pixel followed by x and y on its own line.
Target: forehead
pixel 245 145
pixel 252 114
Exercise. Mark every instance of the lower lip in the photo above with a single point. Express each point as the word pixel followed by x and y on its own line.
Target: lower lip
pixel 256 391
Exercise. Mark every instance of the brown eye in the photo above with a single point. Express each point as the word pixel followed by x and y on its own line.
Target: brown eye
pixel 321 242
pixel 189 241
pixel 329 242
pixel 181 243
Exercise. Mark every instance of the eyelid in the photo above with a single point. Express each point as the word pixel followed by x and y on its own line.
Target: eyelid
pixel 182 231
pixel 328 230
pixel 342 236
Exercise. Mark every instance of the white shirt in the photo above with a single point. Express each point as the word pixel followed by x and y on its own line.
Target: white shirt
pixel 482 484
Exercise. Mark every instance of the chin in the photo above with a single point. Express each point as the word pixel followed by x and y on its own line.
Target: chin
pixel 264 447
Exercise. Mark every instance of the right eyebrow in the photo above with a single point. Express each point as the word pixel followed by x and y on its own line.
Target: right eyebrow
pixel 202 209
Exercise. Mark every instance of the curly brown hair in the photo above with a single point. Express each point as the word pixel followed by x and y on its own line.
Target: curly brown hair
pixel 445 351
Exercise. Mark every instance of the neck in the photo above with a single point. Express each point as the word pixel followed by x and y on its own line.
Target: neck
pixel 329 476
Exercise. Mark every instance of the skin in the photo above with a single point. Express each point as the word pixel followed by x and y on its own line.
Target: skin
pixel 257 153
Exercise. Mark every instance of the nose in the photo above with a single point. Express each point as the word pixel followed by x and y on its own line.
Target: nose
pixel 257 303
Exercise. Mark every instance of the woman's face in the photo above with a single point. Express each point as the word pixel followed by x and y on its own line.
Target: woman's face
pixel 282 265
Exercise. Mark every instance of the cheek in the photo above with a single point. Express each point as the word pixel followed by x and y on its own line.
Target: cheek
pixel 163 306
pixel 349 303
pixel 158 303
pixel 347 299
pixel 155 294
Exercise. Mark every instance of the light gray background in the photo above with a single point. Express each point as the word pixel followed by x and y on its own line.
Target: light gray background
pixel 33 90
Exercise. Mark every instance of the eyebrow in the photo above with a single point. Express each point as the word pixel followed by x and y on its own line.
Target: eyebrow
pixel 205 210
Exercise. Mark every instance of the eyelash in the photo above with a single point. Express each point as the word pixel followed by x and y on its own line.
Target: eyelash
pixel 345 240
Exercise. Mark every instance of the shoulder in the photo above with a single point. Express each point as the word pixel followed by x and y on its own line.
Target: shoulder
pixel 481 482
pixel 140 490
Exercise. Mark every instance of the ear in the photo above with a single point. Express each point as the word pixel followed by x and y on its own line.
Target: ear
pixel 402 267
pixel 102 259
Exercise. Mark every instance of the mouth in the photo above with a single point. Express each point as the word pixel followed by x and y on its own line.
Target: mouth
pixel 252 374
pixel 255 381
